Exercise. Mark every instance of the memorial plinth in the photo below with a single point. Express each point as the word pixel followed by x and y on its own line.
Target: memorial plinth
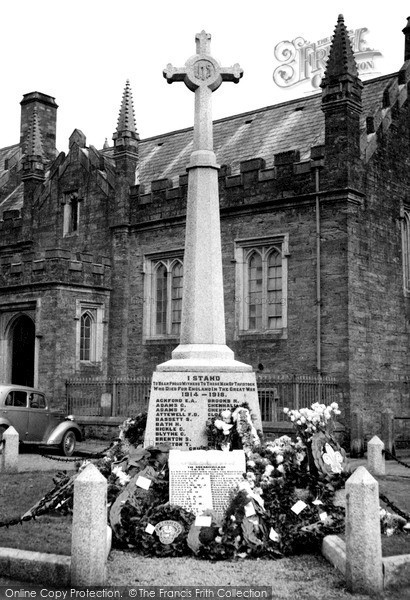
pixel 202 376
pixel 182 401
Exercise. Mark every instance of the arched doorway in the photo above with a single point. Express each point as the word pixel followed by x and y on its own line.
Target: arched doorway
pixel 22 351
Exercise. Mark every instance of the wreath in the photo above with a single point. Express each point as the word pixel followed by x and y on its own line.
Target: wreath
pixel 163 531
pixel 233 429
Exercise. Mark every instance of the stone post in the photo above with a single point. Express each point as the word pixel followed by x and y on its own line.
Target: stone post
pixel 375 458
pixel 10 455
pixel 356 435
pixel 387 431
pixel 364 571
pixel 89 531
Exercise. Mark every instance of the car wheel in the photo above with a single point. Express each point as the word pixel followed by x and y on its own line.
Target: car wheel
pixel 68 443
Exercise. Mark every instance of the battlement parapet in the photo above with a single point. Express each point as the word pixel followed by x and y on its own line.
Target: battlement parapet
pixel 54 265
pixel 290 176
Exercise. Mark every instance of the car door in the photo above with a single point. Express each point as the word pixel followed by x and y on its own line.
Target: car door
pixel 15 410
pixel 38 417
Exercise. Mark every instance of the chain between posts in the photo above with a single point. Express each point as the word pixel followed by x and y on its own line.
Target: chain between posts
pixel 384 498
pixel 394 507
pixel 390 455
pixel 42 507
pixel 99 454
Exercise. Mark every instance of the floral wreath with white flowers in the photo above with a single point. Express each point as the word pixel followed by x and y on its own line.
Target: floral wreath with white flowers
pixel 233 429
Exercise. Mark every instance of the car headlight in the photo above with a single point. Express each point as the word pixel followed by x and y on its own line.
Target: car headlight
pixel 70 417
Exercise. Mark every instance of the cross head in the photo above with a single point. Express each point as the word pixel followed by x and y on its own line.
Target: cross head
pixel 202 70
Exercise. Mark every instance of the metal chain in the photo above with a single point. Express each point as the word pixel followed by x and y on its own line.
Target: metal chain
pixel 40 508
pixel 71 459
pixel 55 494
pixel 396 459
pixel 394 507
pixel 77 458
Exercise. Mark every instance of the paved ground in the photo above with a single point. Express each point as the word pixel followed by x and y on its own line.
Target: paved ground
pixel 43 459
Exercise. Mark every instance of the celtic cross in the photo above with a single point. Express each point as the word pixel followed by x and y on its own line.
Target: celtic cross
pixel 203 75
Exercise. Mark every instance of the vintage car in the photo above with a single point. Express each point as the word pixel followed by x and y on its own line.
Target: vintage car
pixel 26 409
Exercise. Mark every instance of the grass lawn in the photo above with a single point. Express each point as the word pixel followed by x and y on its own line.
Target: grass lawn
pixel 397 490
pixel 18 493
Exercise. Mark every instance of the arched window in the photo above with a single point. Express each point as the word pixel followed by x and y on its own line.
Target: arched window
pixel 90 322
pixel 161 299
pixel 406 250
pixel 255 291
pixel 261 285
pixel 87 337
pixel 264 290
pixel 274 290
pixel 165 298
pixel 176 297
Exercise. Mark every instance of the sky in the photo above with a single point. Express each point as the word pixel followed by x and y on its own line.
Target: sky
pixel 82 52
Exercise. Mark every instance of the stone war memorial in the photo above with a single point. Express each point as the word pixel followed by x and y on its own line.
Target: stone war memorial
pixel 202 378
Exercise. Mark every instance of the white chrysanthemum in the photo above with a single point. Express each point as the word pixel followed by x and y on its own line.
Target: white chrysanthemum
pixel 226 415
pixel 268 470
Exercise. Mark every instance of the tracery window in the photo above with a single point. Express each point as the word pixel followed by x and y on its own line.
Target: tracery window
pixel 261 294
pixel 87 336
pixel 90 333
pixel 164 295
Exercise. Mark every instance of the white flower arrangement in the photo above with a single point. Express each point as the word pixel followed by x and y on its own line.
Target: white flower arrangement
pixel 223 426
pixel 246 429
pixel 314 419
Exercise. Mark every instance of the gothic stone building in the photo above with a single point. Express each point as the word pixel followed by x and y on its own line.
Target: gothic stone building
pixel 315 225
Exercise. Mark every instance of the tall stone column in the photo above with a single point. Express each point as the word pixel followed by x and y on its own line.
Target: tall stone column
pixel 203 342
pixel 202 376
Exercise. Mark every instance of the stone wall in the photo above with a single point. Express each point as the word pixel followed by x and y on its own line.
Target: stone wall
pixel 378 308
